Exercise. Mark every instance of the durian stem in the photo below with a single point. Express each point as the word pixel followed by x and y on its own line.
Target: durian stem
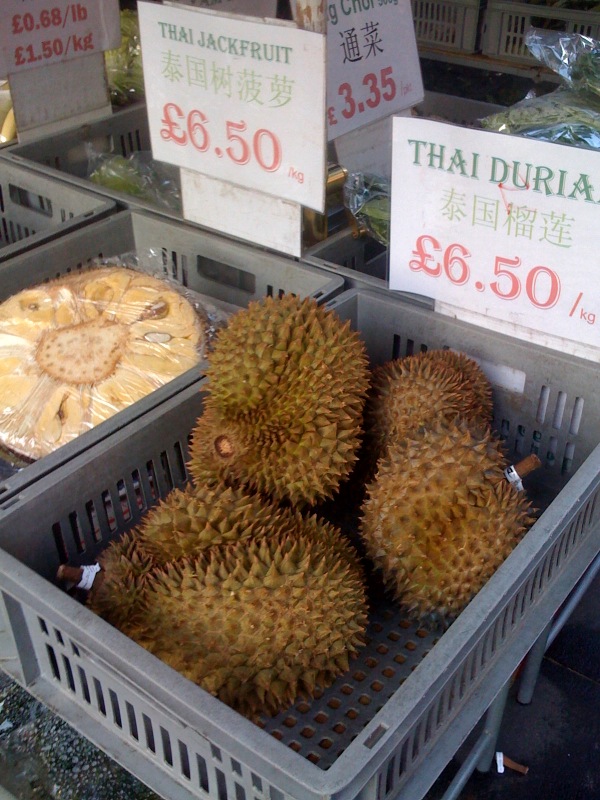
pixel 527 465
pixel 516 472
pixel 81 577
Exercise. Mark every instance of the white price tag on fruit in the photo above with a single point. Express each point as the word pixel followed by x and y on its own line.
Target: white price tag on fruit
pixel 499 229
pixel 41 32
pixel 237 99
pixel 373 67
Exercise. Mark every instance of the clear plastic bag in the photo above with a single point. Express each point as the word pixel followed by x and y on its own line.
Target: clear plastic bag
pixel 562 108
pixel 138 175
pixel 573 56
pixel 571 113
pixel 76 350
pixel 367 197
pixel 124 64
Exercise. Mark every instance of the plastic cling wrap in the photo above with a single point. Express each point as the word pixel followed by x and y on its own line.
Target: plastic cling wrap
pixel 367 197
pixel 78 349
pixel 138 175
pixel 124 64
pixel 570 114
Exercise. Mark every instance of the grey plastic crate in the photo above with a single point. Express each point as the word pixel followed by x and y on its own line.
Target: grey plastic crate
pixel 361 261
pixel 506 23
pixel 35 208
pixel 67 154
pixel 447 24
pixel 227 273
pixel 388 726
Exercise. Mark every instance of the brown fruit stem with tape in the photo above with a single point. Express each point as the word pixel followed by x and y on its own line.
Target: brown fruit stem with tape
pixel 528 464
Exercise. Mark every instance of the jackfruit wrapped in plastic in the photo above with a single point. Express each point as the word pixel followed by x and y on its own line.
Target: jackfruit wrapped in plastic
pixel 8 127
pixel 78 349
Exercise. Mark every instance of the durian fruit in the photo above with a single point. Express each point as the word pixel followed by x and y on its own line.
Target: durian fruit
pixel 287 383
pixel 411 392
pixel 440 517
pixel 193 519
pixel 255 602
pixel 259 622
pixel 78 349
pixel 189 521
pixel 184 523
pixel 477 395
pixel 117 589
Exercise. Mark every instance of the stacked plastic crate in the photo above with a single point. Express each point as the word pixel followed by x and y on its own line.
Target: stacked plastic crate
pixel 387 727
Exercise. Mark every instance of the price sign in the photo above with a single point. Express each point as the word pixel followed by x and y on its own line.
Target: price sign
pixel 500 229
pixel 42 32
pixel 237 99
pixel 373 65
pixel 255 8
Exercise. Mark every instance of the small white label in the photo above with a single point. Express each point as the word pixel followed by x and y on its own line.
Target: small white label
pixel 42 32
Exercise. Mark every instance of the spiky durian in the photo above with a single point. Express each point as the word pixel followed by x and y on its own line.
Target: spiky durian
pixel 76 350
pixel 287 382
pixel 192 519
pixel 258 622
pixel 188 522
pixel 440 517
pixel 416 390
pixel 477 395
pixel 116 591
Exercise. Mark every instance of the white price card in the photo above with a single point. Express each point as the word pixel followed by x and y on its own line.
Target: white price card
pixel 237 99
pixel 373 67
pixel 254 8
pixel 498 229
pixel 40 32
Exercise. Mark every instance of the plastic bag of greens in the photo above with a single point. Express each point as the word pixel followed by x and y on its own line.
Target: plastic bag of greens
pixel 563 106
pixel 573 56
pixel 367 197
pixel 571 113
pixel 124 64
pixel 138 175
pixel 562 52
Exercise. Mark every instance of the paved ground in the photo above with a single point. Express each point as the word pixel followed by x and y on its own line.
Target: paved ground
pixel 557 736
pixel 43 758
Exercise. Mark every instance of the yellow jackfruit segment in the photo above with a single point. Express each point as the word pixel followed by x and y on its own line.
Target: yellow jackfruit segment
pixel 77 350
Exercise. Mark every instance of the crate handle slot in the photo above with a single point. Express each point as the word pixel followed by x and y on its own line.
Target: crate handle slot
pixel 226 274
pixel 26 199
